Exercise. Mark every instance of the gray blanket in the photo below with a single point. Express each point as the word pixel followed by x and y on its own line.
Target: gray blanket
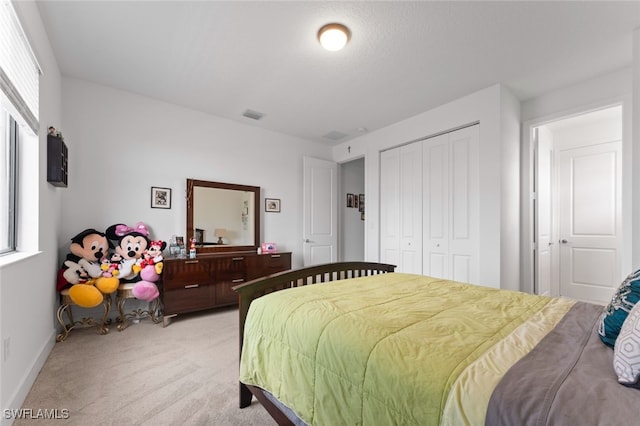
pixel 567 379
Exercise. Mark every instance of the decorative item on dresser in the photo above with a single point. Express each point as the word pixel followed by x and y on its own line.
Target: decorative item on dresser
pixel 191 285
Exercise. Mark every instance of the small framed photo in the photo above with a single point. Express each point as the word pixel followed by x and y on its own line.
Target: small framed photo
pixel 198 234
pixel 350 199
pixel 160 198
pixel 180 241
pixel 272 205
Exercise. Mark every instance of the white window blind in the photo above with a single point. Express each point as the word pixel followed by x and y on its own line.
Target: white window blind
pixel 19 70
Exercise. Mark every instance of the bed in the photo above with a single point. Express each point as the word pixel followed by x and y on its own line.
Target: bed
pixel 372 347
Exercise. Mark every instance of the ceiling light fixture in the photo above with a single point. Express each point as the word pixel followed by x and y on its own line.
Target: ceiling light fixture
pixel 334 37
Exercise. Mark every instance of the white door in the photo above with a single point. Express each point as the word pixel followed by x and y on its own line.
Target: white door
pixel 401 208
pixel 545 243
pixel 590 214
pixel 436 206
pixel 411 208
pixel 451 206
pixel 320 211
pixel 390 207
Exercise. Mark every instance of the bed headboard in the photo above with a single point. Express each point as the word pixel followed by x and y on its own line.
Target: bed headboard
pixel 251 290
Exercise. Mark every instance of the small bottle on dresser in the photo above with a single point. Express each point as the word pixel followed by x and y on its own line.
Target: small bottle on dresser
pixel 192 249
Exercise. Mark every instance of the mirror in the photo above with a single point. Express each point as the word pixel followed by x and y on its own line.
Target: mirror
pixel 223 216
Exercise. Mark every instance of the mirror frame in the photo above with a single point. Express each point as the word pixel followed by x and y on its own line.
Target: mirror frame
pixel 191 183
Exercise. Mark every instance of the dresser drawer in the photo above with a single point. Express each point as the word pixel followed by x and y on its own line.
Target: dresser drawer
pixel 276 262
pixel 186 274
pixel 188 299
pixel 233 268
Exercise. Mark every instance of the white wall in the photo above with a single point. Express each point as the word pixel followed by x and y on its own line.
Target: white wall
pixel 497 112
pixel 27 281
pixel 633 116
pixel 121 144
pixel 351 224
pixel 598 129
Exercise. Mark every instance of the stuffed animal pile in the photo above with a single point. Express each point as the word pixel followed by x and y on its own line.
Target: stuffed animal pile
pixel 99 262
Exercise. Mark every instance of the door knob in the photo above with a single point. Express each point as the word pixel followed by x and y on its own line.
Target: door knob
pixel 564 241
pixel 306 240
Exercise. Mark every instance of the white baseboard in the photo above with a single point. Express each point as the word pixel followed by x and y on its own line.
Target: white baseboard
pixel 16 400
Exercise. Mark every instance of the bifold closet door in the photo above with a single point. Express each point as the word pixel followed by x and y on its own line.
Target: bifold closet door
pixel 401 208
pixel 451 205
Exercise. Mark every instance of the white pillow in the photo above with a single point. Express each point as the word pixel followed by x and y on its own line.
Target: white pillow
pixel 626 352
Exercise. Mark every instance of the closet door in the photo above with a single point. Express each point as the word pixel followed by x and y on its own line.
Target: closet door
pixel 451 205
pixel 436 206
pixel 401 208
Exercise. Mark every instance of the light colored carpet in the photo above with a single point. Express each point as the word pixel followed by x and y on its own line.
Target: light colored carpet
pixel 184 374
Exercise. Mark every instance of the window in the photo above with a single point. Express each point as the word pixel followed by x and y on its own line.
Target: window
pixel 19 109
pixel 8 154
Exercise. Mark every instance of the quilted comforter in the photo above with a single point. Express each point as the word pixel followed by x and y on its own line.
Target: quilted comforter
pixel 393 348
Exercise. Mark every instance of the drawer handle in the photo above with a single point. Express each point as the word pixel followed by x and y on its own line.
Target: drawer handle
pixel 190 261
pixel 192 286
pixel 239 280
pixel 237 258
pixel 275 255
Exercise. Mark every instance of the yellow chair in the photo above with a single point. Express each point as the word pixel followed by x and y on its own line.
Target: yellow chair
pixel 65 306
pixel 125 291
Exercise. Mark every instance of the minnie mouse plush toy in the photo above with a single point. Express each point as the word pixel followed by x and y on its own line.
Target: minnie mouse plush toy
pixel 151 263
pixel 131 243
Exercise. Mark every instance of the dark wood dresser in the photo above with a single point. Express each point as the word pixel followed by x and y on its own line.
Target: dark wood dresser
pixel 190 285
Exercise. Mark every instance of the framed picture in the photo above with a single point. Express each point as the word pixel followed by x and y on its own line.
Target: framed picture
pixel 199 235
pixel 160 198
pixel 272 205
pixel 361 203
pixel 350 199
pixel 180 241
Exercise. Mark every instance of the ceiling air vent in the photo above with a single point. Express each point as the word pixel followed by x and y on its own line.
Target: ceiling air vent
pixel 334 135
pixel 254 115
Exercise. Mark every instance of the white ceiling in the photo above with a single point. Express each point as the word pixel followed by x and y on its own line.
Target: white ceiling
pixel 404 58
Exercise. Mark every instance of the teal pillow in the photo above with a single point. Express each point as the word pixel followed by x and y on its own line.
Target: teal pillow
pixel 624 299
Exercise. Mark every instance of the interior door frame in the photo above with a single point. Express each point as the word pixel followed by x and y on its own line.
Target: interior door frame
pixel 527 235
pixel 341 218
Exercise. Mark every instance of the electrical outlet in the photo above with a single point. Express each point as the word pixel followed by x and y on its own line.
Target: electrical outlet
pixel 6 349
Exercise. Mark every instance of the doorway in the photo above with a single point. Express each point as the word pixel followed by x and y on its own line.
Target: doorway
pixel 351 205
pixel 578 206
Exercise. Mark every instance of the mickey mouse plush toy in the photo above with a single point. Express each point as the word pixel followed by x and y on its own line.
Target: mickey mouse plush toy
pixel 81 270
pixel 131 244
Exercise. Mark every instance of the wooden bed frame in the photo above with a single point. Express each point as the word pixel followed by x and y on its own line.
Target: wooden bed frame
pixel 306 276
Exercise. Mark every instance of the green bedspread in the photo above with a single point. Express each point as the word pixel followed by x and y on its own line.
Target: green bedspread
pixel 385 349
